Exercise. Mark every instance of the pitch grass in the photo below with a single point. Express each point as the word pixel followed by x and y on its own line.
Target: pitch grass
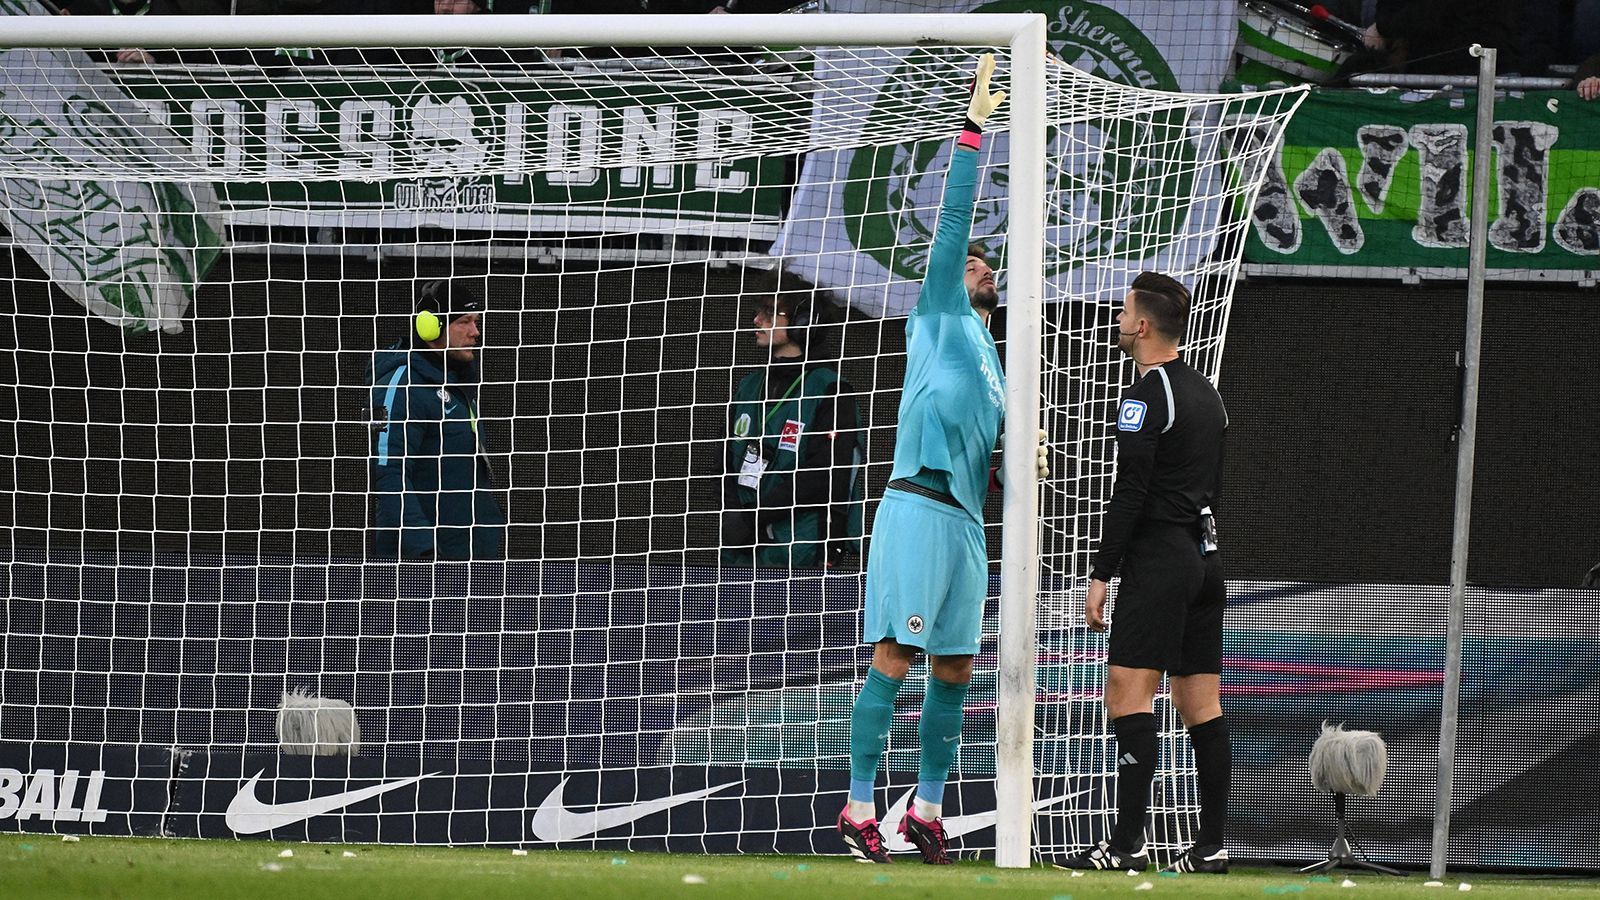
pixel 42 866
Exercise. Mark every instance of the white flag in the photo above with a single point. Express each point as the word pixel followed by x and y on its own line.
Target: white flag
pixel 863 219
pixel 130 251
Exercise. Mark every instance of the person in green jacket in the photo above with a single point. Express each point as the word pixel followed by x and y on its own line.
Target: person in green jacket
pixel 792 490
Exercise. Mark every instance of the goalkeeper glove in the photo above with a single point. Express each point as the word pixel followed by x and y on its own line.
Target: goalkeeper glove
pixel 982 104
pixel 1041 461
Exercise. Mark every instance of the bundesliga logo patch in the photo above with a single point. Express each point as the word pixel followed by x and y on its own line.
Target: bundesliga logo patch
pixel 790 438
pixel 1131 416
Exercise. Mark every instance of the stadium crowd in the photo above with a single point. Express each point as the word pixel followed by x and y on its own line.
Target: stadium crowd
pixel 1535 37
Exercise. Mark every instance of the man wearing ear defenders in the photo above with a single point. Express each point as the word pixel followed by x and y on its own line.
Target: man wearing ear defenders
pixel 435 495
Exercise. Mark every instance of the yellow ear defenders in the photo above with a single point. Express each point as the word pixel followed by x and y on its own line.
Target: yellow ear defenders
pixel 428 324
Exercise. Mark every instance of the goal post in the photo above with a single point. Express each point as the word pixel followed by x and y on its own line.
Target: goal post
pixel 1019 559
pixel 1096 180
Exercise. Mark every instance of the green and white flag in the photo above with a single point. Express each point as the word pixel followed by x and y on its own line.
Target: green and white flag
pixel 864 218
pixel 131 252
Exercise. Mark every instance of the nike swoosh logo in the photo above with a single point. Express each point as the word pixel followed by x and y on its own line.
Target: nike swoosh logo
pixel 954 826
pixel 248 815
pixel 553 822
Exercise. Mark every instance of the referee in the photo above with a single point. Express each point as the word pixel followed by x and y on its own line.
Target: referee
pixel 1159 530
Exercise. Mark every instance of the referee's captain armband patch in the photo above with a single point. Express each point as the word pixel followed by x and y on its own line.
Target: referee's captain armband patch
pixel 1131 416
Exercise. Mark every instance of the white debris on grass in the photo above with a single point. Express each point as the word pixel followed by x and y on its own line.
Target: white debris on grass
pixel 1433 884
pixel 519 852
pixel 693 879
pixel 1143 885
pixel 271 867
pixel 69 839
pixel 1347 883
pixel 1464 887
pixel 348 855
pixel 286 854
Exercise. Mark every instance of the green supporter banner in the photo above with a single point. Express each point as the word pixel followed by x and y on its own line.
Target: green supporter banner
pixel 473 152
pixel 1382 180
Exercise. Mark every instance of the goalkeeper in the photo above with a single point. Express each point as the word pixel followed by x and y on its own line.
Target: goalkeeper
pixel 927 568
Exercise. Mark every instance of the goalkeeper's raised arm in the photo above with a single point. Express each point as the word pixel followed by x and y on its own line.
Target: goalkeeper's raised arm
pixel 946 287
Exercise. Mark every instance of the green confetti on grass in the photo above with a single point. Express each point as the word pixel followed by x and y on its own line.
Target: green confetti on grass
pixel 802 868
pixel 882 879
pixel 986 879
pixel 1169 874
pixel 618 861
pixel 1062 897
pixel 780 875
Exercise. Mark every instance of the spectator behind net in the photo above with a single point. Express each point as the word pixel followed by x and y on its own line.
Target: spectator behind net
pixel 792 486
pixel 1433 36
pixel 435 496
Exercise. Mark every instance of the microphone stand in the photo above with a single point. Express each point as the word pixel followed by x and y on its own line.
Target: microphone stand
pixel 1340 855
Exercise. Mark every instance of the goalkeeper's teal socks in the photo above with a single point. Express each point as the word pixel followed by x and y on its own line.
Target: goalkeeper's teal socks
pixel 869 734
pixel 940 736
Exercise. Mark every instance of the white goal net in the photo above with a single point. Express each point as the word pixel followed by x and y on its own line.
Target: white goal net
pixel 502 600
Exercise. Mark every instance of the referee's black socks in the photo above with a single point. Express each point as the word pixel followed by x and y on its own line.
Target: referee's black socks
pixel 1136 768
pixel 1213 762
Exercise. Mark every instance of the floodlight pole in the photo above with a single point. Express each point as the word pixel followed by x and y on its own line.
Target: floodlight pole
pixel 1466 449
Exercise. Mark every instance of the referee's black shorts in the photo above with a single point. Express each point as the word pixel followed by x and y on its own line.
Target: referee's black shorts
pixel 1167 614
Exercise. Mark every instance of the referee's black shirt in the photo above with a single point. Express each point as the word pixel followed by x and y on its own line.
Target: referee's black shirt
pixel 1170 428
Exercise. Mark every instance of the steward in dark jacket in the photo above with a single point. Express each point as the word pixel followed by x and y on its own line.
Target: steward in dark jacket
pixel 435 496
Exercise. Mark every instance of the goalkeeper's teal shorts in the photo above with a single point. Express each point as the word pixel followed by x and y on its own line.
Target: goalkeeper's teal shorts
pixel 927 576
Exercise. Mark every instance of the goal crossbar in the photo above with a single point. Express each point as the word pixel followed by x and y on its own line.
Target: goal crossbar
pixel 267 32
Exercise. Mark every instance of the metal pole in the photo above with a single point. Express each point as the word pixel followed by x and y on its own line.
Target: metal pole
pixel 1406 79
pixel 1465 451
pixel 1019 555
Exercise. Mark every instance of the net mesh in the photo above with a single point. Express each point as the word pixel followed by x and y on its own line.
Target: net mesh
pixel 191 496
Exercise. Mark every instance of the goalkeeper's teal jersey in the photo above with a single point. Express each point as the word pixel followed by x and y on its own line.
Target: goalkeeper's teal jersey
pixel 954 397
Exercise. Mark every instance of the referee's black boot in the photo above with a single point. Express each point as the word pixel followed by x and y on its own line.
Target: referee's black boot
pixel 1105 856
pixel 1212 860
